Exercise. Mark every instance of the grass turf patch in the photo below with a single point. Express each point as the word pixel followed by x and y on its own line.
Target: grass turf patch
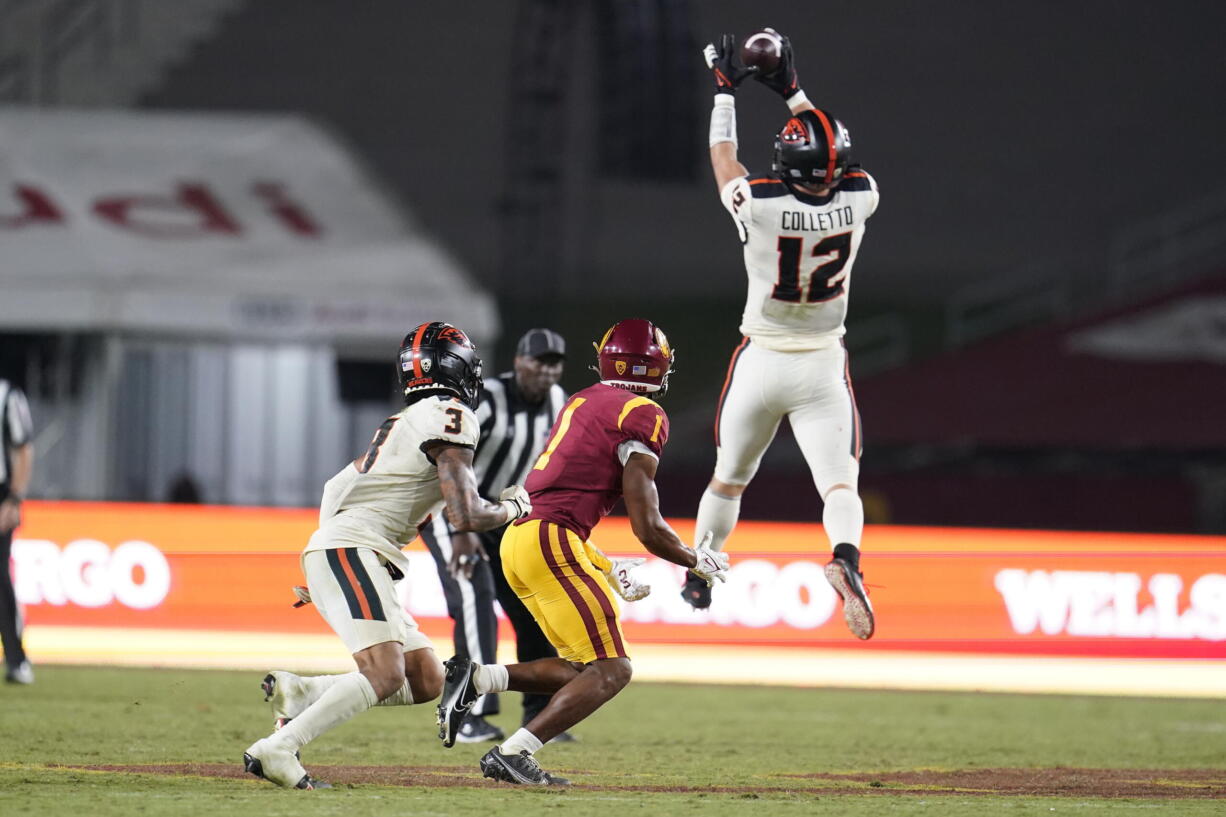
pixel 753 750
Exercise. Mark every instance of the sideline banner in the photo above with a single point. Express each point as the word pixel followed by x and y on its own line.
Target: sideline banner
pixel 182 567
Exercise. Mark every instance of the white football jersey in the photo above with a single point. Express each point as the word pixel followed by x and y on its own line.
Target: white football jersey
pixel 799 251
pixel 379 500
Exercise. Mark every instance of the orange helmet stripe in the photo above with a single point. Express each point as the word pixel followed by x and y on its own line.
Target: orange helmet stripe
pixel 421 330
pixel 832 154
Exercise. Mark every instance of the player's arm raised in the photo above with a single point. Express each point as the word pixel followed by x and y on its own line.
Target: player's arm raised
pixel 728 73
pixel 466 510
pixel 643 506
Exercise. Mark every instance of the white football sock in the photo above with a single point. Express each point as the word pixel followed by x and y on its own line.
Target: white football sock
pixel 316 685
pixel 843 517
pixel 521 740
pixel 350 695
pixel 717 514
pixel 401 697
pixel 491 678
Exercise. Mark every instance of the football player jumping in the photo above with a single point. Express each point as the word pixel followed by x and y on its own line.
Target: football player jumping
pixel 605 444
pixel 801 226
pixel 421 455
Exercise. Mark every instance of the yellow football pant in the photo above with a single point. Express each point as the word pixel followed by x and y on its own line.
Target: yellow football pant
pixel 551 570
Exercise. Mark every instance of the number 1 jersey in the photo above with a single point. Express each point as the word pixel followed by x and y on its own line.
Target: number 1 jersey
pixel 799 251
pixel 578 477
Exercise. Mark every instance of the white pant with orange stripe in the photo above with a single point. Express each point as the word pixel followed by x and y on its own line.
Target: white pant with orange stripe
pixel 812 389
pixel 353 591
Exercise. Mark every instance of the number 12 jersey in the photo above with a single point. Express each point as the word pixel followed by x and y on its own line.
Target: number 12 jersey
pixel 799 251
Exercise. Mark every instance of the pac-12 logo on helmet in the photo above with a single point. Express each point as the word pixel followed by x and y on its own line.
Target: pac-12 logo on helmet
pixel 438 357
pixel 635 355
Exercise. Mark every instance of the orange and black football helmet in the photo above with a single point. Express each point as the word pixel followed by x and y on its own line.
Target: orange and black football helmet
pixel 813 147
pixel 635 355
pixel 437 357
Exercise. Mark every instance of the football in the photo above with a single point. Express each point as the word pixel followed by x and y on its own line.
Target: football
pixel 762 49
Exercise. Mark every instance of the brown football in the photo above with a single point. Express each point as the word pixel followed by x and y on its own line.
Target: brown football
pixel 762 49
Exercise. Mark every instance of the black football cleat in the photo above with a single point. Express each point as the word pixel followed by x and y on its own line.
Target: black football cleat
pixel 459 695
pixel 521 769
pixel 696 591
pixel 849 584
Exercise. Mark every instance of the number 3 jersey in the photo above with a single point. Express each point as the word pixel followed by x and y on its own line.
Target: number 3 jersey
pixel 378 500
pixel 799 251
pixel 578 477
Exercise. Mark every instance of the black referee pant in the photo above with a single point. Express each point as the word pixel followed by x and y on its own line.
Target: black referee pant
pixel 470 603
pixel 10 613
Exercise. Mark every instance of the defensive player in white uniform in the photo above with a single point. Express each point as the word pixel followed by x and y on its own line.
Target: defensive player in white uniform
pixel 419 457
pixel 801 227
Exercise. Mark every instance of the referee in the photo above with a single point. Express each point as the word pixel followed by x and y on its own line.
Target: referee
pixel 516 412
pixel 16 465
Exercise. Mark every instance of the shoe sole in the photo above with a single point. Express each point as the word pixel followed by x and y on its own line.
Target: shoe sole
pixel 269 687
pixel 696 595
pixel 449 716
pixel 856 610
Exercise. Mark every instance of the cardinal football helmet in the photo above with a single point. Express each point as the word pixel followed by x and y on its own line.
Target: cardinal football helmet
pixel 438 357
pixel 635 355
pixel 813 147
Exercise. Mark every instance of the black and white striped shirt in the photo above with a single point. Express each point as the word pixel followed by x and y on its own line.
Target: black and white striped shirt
pixel 15 428
pixel 513 433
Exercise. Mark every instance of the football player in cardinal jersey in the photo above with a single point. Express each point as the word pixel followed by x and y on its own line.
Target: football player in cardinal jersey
pixel 373 506
pixel 605 445
pixel 801 226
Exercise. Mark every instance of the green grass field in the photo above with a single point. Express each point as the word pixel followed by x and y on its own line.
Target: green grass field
pixel 655 750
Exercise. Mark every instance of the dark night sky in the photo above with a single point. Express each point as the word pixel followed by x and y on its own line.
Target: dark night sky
pixel 1000 134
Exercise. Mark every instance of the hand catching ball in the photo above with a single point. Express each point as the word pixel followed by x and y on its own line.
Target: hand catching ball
pixel 763 50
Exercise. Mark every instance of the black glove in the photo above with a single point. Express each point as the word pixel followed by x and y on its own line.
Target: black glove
pixel 783 79
pixel 725 64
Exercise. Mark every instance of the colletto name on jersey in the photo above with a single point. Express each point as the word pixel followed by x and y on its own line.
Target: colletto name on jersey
pixel 816 220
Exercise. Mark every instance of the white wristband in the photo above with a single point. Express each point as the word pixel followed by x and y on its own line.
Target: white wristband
pixel 798 102
pixel 723 120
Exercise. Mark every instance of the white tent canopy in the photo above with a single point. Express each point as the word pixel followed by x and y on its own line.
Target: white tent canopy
pixel 228 262
pixel 257 227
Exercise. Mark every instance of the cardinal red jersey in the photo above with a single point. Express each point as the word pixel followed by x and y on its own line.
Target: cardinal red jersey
pixel 578 478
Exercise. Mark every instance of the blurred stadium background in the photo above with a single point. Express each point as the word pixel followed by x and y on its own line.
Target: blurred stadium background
pixel 218 217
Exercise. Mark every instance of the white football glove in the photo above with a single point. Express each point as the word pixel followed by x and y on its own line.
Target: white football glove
pixel 623 583
pixel 515 499
pixel 712 564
